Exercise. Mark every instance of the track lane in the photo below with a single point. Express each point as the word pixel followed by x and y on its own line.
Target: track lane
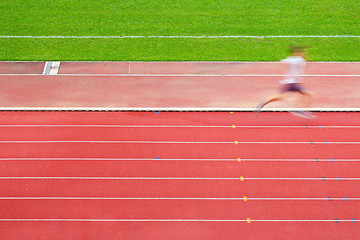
pixel 185 150
pixel 180 230
pixel 179 188
pixel 158 168
pixel 178 209
pixel 179 67
pixel 179 118
pixel 21 67
pixel 219 90
pixel 184 188
pixel 256 134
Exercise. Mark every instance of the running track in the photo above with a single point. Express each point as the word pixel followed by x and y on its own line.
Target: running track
pixel 170 85
pixel 178 175
pixel 189 180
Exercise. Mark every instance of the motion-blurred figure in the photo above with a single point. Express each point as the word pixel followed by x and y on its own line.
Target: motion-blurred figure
pixel 293 83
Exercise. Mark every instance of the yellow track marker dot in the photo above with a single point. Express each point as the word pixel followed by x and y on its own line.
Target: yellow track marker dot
pixel 233 126
pixel 236 142
pixel 248 220
pixel 245 199
pixel 239 159
pixel 231 112
pixel 241 178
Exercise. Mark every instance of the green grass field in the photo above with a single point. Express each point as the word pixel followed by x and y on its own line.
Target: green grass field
pixel 178 18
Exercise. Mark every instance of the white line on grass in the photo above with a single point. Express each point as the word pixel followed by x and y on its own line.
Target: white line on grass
pixel 194 37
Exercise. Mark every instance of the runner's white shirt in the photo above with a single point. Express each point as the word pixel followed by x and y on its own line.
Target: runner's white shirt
pixel 296 68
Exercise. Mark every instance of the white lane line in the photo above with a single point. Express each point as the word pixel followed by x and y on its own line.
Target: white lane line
pixel 181 75
pixel 170 198
pixel 162 142
pixel 167 126
pixel 119 159
pixel 168 220
pixel 121 178
pixel 178 159
pixel 177 178
pixel 182 36
pixel 183 159
pixel 111 142
pixel 175 109
pixel 118 126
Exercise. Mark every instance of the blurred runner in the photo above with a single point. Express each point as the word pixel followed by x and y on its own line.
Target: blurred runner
pixel 293 82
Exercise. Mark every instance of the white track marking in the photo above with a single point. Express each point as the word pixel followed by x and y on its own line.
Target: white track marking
pixel 173 159
pixel 174 109
pixel 110 142
pixel 182 159
pixel 178 75
pixel 46 70
pixel 161 142
pixel 123 126
pixel 167 126
pixel 167 220
pixel 170 198
pixel 177 178
pixel 195 37
pixel 54 68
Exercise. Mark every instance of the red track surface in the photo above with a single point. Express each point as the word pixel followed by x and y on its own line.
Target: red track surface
pixel 171 85
pixel 146 175
pixel 51 190
pixel 202 68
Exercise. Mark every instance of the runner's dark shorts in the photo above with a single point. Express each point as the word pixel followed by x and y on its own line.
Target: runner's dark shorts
pixel 292 87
